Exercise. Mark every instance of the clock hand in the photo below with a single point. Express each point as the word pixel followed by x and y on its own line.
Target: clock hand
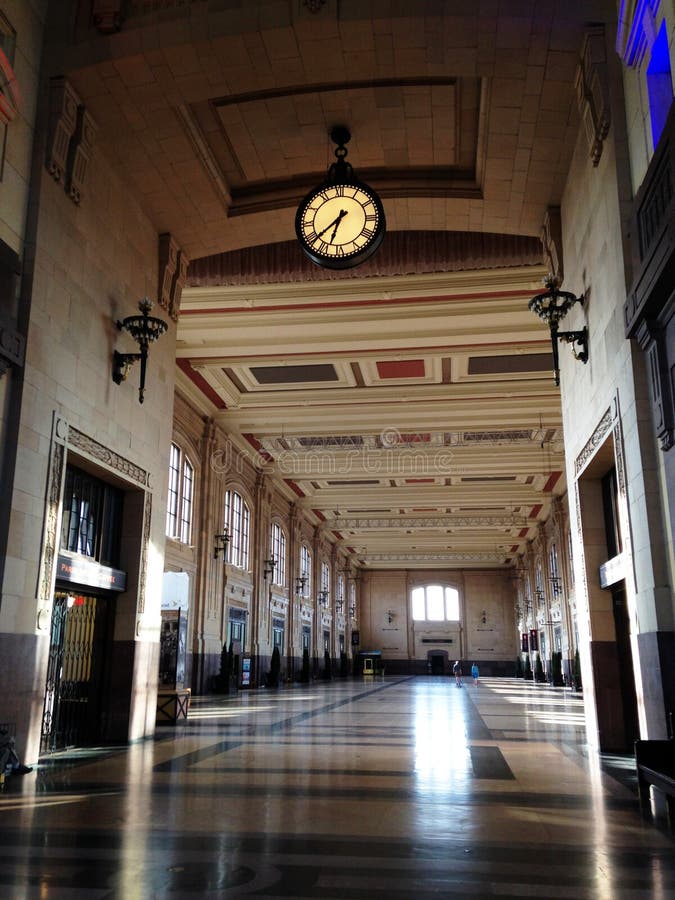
pixel 335 222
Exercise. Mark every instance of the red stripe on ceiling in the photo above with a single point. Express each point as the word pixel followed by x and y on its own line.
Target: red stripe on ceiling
pixel 552 478
pixel 420 481
pixel 534 512
pixel 257 446
pixel 391 301
pixel 401 368
pixel 338 535
pixel 513 548
pixel 317 512
pixel 523 532
pixel 298 490
pixel 201 383
pixel 424 508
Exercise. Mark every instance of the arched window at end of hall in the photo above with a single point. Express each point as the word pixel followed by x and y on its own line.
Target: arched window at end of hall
pixel 180 496
pixel 435 603
pixel 238 524
pixel 278 553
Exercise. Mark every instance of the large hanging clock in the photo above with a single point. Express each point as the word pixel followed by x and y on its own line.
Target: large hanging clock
pixel 340 223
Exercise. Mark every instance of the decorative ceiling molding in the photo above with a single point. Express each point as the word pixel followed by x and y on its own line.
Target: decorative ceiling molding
pixel 402 253
pixel 420 523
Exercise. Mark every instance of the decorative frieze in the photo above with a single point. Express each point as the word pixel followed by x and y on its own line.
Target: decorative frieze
pixel 602 430
pixel 108 457
pixel 592 87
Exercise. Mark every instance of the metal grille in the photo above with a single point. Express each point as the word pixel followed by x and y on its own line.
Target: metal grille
pixel 76 652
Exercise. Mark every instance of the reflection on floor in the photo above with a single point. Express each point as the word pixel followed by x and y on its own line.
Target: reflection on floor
pixel 400 788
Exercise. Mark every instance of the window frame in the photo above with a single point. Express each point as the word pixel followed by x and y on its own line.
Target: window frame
pixel 278 550
pixel 237 522
pixel 180 496
pixel 447 619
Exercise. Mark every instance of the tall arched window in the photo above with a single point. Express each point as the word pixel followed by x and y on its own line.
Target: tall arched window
pixel 340 599
pixel 278 551
pixel 179 496
pixel 237 522
pixel 435 603
pixel 306 567
pixel 325 577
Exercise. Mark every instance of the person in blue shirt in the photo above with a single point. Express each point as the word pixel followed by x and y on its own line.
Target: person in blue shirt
pixel 474 674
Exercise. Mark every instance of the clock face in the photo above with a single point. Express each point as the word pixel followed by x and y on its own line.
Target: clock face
pixel 340 225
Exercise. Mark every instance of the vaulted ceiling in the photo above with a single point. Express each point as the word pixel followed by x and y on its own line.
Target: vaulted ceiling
pixel 408 404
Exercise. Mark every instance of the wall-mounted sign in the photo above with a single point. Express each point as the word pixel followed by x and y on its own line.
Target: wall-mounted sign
pixel 534 639
pixel 246 671
pixel 80 570
pixel 524 646
pixel 356 638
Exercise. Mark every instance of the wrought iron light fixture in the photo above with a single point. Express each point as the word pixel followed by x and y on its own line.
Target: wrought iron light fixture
pixel 301 584
pixel 556 585
pixel 269 567
pixel 323 597
pixel 552 306
pixel 220 542
pixel 144 329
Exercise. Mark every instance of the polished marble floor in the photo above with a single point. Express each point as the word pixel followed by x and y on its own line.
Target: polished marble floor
pixel 404 789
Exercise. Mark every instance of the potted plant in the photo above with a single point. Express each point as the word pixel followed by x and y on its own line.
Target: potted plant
pixel 539 676
pixel 577 671
pixel 556 669
pixel 528 668
pixel 275 669
pixel 519 667
pixel 327 673
pixel 224 676
pixel 304 672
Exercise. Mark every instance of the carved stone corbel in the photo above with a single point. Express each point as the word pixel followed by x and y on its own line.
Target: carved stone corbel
pixel 551 240
pixel 173 265
pixel 79 155
pixel 64 103
pixel 592 87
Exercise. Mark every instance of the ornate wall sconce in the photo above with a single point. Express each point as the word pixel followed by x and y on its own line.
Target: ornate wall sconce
pixel 552 306
pixel 483 617
pixel 323 598
pixel 144 329
pixel 220 542
pixel 539 593
pixel 268 567
pixel 390 616
pixel 301 584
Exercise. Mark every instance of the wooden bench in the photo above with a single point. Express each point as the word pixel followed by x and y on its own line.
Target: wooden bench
pixel 655 761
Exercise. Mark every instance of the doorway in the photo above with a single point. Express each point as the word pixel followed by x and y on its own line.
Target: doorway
pixel 625 660
pixel 79 651
pixel 437 663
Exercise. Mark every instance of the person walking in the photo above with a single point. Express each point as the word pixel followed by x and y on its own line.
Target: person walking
pixel 474 674
pixel 457 672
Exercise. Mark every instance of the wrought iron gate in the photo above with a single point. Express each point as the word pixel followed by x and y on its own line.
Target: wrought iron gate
pixel 77 651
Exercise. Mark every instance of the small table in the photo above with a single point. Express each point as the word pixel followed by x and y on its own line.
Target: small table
pixel 172 705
